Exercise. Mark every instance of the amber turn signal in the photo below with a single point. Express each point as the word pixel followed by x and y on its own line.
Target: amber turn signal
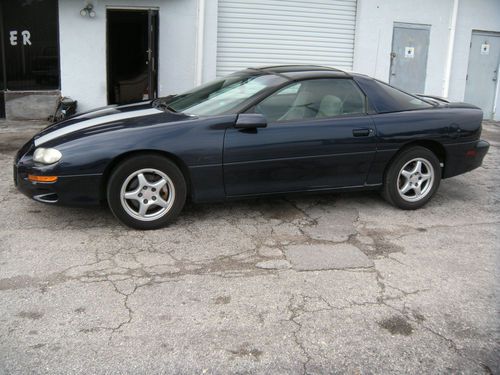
pixel 35 178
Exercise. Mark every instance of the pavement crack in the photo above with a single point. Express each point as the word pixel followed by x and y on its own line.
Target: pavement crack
pixel 295 312
pixel 129 310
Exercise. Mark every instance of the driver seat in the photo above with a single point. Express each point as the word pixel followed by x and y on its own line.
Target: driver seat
pixel 330 106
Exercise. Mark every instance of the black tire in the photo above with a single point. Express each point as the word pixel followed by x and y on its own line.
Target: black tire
pixel 396 179
pixel 125 180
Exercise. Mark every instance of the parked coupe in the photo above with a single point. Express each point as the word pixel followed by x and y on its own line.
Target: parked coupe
pixel 272 130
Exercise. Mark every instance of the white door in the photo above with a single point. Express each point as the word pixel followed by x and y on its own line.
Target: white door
pixel 273 32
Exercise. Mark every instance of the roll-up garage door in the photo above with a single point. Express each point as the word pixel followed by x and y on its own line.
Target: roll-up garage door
pixel 270 32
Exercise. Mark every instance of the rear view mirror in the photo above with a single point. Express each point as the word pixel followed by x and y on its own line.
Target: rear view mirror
pixel 250 121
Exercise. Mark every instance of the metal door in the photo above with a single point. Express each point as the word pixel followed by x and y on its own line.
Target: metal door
pixel 410 44
pixel 482 73
pixel 275 32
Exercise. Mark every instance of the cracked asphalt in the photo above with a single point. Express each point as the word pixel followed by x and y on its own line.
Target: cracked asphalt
pixel 335 283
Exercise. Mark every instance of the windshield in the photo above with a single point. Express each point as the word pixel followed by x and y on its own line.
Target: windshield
pixel 222 95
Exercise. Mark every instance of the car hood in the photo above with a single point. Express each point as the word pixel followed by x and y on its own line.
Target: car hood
pixel 110 115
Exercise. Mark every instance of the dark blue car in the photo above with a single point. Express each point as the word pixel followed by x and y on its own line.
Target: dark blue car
pixel 260 131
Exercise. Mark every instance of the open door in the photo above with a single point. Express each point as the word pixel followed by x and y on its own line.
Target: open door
pixel 132 51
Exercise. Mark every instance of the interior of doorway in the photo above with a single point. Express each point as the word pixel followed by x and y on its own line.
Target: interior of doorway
pixel 132 55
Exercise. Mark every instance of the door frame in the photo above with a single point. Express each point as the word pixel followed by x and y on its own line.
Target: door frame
pixel 415 26
pixel 3 72
pixel 151 79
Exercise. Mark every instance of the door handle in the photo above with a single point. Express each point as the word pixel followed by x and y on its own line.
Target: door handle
pixel 363 132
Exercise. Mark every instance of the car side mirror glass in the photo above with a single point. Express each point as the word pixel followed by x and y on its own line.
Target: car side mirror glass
pixel 250 121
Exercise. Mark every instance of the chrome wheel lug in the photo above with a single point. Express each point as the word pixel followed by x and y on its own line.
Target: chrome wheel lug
pixel 145 188
pixel 153 189
pixel 154 198
pixel 145 201
pixel 139 195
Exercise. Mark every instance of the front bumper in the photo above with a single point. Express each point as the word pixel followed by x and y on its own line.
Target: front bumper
pixel 74 190
pixel 83 190
pixel 464 157
pixel 67 190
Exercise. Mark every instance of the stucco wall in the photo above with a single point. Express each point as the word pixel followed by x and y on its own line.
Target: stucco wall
pixel 375 21
pixel 83 48
pixel 83 43
pixel 374 26
pixel 472 15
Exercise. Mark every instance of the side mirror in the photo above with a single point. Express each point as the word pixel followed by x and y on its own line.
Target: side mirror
pixel 250 121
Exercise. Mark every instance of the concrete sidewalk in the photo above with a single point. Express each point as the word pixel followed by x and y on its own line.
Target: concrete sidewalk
pixel 13 134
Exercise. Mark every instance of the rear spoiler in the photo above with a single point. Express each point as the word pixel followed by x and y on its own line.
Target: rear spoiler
pixel 435 98
pixel 442 102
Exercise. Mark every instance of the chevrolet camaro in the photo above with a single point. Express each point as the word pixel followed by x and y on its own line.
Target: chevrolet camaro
pixel 261 131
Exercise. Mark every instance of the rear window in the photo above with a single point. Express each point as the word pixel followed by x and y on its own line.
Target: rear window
pixel 386 98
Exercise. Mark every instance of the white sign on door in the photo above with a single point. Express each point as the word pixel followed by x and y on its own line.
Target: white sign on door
pixel 409 52
pixel 485 49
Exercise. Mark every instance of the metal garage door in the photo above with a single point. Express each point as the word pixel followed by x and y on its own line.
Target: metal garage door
pixel 268 32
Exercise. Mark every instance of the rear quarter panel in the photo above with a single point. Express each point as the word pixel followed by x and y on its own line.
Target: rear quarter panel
pixel 447 126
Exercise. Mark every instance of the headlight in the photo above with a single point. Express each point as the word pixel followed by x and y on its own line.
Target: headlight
pixel 46 155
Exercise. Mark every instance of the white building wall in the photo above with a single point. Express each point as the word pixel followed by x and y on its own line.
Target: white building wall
pixel 83 43
pixel 83 48
pixel 374 27
pixel 373 43
pixel 472 15
pixel 210 41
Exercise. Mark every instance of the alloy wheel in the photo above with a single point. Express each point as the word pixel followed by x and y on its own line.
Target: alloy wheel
pixel 147 194
pixel 415 180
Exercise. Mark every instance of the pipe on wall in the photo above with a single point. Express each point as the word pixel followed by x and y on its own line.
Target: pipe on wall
pixel 451 47
pixel 199 43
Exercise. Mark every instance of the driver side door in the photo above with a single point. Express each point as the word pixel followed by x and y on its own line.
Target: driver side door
pixel 318 137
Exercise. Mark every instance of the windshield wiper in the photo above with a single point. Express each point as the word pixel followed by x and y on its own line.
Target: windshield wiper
pixel 161 103
pixel 166 106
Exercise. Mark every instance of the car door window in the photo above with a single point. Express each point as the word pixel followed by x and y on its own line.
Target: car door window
pixel 313 99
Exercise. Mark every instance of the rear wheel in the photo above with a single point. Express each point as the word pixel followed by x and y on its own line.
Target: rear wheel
pixel 146 192
pixel 412 178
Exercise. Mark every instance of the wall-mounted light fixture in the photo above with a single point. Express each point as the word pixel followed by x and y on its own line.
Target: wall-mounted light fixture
pixel 88 11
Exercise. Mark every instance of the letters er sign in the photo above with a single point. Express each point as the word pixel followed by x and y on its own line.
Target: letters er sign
pixel 409 52
pixel 24 38
pixel 485 49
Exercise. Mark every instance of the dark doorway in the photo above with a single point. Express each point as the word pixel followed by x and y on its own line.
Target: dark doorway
pixel 132 55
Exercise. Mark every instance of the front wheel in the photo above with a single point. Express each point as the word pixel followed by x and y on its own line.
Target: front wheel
pixel 146 192
pixel 412 178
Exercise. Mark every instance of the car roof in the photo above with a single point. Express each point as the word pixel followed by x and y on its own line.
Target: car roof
pixel 296 72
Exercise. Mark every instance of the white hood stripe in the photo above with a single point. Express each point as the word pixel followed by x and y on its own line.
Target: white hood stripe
pixel 97 112
pixel 93 122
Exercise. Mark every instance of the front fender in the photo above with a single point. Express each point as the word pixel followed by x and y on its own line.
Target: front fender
pixel 197 143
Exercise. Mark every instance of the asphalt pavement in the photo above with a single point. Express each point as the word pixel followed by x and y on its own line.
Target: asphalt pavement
pixel 333 283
